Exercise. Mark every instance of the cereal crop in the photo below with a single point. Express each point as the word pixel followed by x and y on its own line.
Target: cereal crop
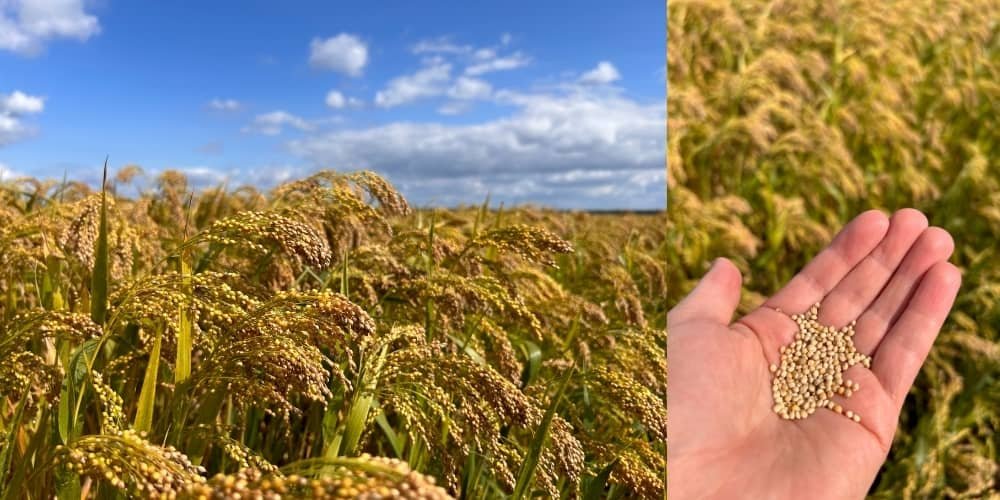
pixel 788 118
pixel 324 339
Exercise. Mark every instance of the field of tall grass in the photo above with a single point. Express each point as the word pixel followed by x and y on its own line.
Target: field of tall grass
pixel 323 339
pixel 787 118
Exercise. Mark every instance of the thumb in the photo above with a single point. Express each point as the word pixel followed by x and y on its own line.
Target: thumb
pixel 714 299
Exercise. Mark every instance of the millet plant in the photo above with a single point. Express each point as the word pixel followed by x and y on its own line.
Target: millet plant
pixel 323 339
pixel 788 118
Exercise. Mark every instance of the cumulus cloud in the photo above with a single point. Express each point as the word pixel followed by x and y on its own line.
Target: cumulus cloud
pixel 626 189
pixel 484 54
pixel 428 81
pixel 454 107
pixel 463 90
pixel 265 176
pixel 344 53
pixel 275 122
pixel 470 88
pixel 440 45
pixel 602 74
pixel 504 63
pixel 481 60
pixel 435 78
pixel 337 100
pixel 203 176
pixel 26 25
pixel 13 109
pixel 580 148
pixel 19 103
pixel 225 105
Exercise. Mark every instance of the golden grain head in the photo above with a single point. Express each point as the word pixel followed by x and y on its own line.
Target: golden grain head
pixel 270 342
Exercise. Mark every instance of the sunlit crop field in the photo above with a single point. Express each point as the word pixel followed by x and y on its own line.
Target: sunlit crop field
pixel 324 339
pixel 787 118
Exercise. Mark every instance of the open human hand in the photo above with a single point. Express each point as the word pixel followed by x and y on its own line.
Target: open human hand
pixel 891 275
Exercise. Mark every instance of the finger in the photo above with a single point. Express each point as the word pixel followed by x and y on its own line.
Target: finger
pixel 933 246
pixel 861 286
pixel 903 350
pixel 856 240
pixel 771 322
pixel 714 299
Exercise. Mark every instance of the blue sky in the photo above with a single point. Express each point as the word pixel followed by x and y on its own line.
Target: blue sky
pixel 556 103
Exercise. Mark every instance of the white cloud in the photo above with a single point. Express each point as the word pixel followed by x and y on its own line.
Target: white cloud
pixel 11 130
pixel 603 73
pixel 19 103
pixel 208 176
pixel 201 176
pixel 337 100
pixel 427 82
pixel 13 108
pixel 485 54
pixel 25 25
pixel 344 53
pixel 225 105
pixel 481 59
pixel 470 88
pixel 441 45
pixel 454 108
pixel 578 148
pixel 510 62
pixel 274 123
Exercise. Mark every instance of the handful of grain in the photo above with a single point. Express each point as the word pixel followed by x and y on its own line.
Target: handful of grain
pixel 812 368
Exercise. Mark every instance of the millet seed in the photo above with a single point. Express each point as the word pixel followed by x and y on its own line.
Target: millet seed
pixel 811 369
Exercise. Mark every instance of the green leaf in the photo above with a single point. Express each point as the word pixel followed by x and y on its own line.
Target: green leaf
pixel 16 484
pixel 182 363
pixel 480 215
pixel 357 418
pixel 463 344
pixel 99 279
pixel 54 299
pixel 72 390
pixel 144 412
pixel 596 488
pixel 11 298
pixel 499 218
pixel 8 450
pixel 526 476
pixel 67 485
pixel 345 443
pixel 429 255
pixel 533 353
pixel 344 275
pixel 208 411
pixel 395 440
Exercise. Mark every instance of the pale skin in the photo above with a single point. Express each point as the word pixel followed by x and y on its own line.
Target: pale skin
pixel 891 275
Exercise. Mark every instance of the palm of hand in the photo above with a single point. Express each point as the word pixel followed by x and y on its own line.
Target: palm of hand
pixel 725 439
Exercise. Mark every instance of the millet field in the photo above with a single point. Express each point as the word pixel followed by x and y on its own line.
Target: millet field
pixel 323 339
pixel 788 118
